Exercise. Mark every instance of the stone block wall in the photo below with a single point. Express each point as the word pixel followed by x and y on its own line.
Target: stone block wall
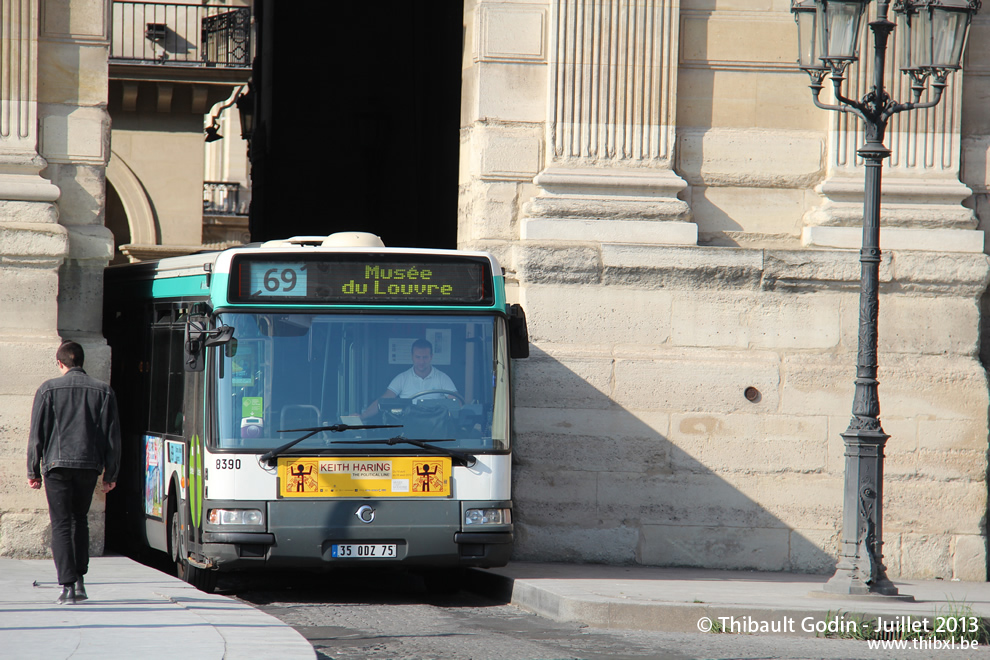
pixel 636 442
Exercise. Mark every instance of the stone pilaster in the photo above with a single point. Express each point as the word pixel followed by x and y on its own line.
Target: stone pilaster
pixel 26 195
pixel 32 247
pixel 75 140
pixel 503 111
pixel 610 127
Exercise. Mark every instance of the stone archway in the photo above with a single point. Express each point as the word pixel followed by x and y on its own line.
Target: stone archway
pixel 135 202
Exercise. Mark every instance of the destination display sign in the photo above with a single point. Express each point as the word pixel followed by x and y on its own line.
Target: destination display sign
pixel 392 476
pixel 361 279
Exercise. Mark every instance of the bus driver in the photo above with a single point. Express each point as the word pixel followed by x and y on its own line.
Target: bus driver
pixel 423 376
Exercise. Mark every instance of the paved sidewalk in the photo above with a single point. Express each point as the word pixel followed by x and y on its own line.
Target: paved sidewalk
pixel 689 600
pixel 136 611
pixel 133 612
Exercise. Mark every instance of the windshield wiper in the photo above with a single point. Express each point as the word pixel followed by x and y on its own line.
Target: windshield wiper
pixel 271 457
pixel 468 459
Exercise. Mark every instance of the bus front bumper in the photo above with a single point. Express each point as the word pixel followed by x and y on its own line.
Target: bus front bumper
pixel 302 534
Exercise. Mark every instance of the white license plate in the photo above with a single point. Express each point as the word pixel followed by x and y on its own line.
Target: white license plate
pixel 363 551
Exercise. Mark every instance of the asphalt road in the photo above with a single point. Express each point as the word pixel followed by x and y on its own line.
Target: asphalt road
pixel 371 615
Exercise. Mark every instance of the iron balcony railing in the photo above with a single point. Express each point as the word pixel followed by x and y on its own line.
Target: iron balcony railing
pixel 164 33
pixel 225 198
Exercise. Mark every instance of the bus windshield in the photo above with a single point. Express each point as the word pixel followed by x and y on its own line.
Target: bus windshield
pixel 437 378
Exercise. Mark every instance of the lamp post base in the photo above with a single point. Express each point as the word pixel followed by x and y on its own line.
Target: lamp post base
pixel 846 581
pixel 860 570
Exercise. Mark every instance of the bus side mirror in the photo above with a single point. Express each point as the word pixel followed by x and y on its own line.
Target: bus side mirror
pixel 518 333
pixel 198 338
pixel 193 348
pixel 220 336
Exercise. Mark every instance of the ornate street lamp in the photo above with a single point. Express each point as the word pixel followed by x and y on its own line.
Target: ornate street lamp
pixel 245 108
pixel 828 35
pixel 244 100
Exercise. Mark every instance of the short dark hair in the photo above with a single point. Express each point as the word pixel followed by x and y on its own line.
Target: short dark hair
pixel 422 343
pixel 70 354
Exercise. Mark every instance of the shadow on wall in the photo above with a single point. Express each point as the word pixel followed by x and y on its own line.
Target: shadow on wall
pixel 596 482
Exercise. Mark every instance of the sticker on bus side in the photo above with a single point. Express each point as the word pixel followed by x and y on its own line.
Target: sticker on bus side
pixel 395 476
pixel 175 453
pixel 153 477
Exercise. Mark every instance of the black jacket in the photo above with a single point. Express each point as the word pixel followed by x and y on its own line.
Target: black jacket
pixel 74 424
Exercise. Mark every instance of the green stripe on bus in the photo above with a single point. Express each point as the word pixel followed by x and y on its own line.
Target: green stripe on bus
pixel 177 287
pixel 196 480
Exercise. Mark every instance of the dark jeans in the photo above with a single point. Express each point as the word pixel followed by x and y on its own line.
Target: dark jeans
pixel 70 492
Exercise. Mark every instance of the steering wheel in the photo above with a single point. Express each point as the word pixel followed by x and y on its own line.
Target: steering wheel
pixel 451 393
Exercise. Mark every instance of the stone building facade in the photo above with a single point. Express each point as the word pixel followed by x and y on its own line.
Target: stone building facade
pixel 680 223
pixel 683 227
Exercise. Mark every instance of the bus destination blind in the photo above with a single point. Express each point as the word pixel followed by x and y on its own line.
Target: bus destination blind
pixel 326 280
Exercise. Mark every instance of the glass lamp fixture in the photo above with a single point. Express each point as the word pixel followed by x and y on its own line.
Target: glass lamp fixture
pixel 934 33
pixel 838 30
pixel 806 17
pixel 809 57
pixel 245 108
pixel 828 35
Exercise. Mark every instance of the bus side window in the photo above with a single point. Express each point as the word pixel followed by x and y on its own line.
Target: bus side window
pixel 167 378
pixel 158 399
pixel 176 382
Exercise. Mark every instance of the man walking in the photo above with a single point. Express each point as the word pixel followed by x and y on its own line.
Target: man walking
pixel 75 435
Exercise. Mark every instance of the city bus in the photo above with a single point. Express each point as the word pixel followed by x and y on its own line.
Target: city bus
pixel 263 426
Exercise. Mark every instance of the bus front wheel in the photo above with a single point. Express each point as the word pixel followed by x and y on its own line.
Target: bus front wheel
pixel 202 579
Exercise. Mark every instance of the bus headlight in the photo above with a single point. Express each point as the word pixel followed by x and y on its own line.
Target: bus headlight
pixel 235 517
pixel 487 516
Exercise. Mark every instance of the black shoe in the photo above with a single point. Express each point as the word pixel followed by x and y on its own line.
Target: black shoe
pixel 81 590
pixel 68 595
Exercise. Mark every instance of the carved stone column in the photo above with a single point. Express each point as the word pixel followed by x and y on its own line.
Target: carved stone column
pixel 32 247
pixel 21 185
pixel 610 129
pixel 32 243
pixel 922 193
pixel 75 141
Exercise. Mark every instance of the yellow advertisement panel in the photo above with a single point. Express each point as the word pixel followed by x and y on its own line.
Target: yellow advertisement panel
pixel 395 476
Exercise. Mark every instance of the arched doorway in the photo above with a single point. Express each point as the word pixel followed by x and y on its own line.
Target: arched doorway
pixel 129 214
pixel 358 124
pixel 116 221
